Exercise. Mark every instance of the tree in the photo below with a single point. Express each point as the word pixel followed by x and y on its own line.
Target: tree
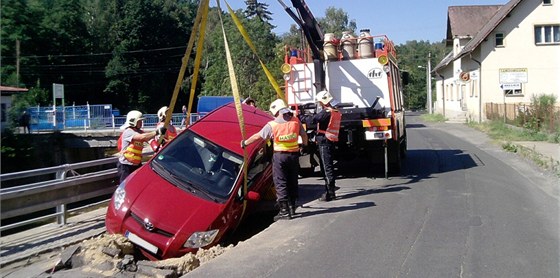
pixel 250 77
pixel 336 21
pixel 16 22
pixel 413 58
pixel 147 56
pixel 257 10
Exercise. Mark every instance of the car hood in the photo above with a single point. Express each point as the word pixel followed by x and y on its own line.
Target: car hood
pixel 168 207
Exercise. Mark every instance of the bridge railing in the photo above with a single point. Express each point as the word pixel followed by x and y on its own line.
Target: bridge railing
pixel 68 187
pixel 89 117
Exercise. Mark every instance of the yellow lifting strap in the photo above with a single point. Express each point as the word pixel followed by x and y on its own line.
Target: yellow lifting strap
pixel 201 15
pixel 245 35
pixel 237 101
pixel 197 59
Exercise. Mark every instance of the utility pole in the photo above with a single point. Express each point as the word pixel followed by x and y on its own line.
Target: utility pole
pixel 17 63
pixel 429 80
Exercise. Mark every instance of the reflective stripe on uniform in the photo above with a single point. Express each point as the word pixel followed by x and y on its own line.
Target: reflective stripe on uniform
pixel 286 135
pixel 334 125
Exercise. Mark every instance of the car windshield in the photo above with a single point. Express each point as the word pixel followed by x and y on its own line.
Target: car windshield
pixel 198 166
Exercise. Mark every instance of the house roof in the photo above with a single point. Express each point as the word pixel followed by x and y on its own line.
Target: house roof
pixel 488 28
pixel 466 21
pixel 448 58
pixel 483 33
pixel 5 90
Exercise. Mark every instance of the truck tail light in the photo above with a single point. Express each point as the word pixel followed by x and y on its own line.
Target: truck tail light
pixel 377 128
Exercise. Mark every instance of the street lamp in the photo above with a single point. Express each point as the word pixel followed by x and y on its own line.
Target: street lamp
pixel 428 83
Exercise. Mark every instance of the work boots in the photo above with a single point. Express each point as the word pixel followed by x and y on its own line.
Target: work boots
pixel 292 207
pixel 329 194
pixel 284 213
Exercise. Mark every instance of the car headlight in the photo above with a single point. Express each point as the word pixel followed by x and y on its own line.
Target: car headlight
pixel 119 195
pixel 201 239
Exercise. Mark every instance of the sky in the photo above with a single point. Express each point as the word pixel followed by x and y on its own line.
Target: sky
pixel 400 20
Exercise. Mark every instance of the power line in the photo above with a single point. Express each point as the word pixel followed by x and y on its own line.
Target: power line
pixel 99 54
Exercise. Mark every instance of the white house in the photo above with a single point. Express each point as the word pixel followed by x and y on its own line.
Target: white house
pixel 501 54
pixel 6 95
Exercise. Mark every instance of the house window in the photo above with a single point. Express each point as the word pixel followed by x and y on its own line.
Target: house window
pixel 513 93
pixel 500 39
pixel 547 34
pixel 475 88
pixel 547 2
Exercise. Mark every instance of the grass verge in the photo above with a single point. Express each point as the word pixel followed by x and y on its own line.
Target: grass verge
pixel 508 135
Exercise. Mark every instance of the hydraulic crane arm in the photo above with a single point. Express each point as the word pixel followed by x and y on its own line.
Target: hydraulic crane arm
pixel 313 35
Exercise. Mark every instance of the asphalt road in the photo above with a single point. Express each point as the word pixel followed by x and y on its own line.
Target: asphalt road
pixel 462 208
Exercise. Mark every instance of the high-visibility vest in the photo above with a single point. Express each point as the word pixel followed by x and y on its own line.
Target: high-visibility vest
pixel 334 125
pixel 133 152
pixel 286 135
pixel 169 134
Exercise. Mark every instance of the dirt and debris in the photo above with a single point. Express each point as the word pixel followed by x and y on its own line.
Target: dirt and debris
pixel 114 255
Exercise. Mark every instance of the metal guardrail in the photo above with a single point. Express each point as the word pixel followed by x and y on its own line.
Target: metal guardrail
pixel 67 187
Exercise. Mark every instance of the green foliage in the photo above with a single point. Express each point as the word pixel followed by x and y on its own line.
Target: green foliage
pixel 510 147
pixel 129 52
pixel 413 58
pixel 336 21
pixel 250 77
pixel 17 23
pixel 255 9
pixel 544 112
pixel 554 138
pixel 433 118
pixel 500 131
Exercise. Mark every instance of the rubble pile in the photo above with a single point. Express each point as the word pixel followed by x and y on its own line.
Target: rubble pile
pixel 114 255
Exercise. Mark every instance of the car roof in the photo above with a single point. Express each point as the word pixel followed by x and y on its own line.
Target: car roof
pixel 221 126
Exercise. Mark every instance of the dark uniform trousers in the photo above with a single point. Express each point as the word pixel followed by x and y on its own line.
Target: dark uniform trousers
pixel 285 170
pixel 124 170
pixel 326 149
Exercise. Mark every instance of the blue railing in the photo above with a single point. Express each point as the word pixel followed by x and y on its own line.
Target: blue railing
pixel 100 116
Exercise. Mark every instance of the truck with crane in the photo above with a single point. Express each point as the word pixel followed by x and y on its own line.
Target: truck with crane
pixel 362 74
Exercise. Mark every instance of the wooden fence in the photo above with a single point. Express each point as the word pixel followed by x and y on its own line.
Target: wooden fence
pixel 525 115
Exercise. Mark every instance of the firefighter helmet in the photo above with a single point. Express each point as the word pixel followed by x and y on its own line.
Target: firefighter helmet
pixel 323 97
pixel 161 113
pixel 133 117
pixel 276 106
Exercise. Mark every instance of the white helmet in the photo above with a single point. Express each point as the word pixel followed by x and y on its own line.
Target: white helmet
pixel 161 113
pixel 323 97
pixel 276 106
pixel 133 117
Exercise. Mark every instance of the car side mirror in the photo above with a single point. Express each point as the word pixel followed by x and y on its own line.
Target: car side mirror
pixel 253 196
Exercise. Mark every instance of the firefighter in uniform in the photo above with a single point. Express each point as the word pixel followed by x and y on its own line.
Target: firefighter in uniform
pixel 328 126
pixel 131 143
pixel 169 134
pixel 284 131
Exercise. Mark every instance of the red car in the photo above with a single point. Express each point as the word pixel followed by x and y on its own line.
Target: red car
pixel 191 193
